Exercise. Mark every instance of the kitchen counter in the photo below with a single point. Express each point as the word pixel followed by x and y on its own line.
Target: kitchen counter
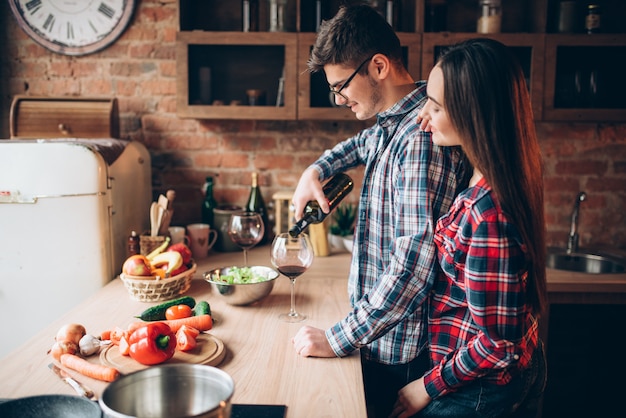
pixel 260 357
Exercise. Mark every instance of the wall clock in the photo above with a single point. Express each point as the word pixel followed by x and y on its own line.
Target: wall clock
pixel 77 27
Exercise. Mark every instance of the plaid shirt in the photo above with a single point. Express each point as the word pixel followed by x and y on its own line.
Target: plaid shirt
pixel 407 183
pixel 479 323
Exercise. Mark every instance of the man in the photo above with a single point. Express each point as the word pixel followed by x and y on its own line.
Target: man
pixel 408 183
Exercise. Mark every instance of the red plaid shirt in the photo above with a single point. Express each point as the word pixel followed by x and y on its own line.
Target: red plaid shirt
pixel 479 323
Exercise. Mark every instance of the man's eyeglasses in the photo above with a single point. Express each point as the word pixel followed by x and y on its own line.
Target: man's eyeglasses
pixel 334 93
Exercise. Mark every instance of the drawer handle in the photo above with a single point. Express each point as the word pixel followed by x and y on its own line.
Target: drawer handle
pixel 64 129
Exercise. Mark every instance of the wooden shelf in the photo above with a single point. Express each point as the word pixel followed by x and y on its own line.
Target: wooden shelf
pixel 210 37
pixel 237 63
pixel 529 48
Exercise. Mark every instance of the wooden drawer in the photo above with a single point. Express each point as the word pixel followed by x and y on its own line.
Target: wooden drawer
pixel 64 117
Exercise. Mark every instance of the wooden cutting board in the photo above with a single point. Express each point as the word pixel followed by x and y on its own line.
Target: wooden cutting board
pixel 210 351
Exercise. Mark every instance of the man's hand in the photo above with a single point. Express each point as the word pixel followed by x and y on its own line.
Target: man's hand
pixel 312 342
pixel 411 399
pixel 309 188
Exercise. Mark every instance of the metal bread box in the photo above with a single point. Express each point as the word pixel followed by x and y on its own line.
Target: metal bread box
pixel 64 117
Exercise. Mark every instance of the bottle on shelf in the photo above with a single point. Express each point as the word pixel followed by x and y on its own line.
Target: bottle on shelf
pixel 133 244
pixel 335 191
pixel 278 15
pixel 392 14
pixel 209 203
pixel 490 20
pixel 250 15
pixel 257 204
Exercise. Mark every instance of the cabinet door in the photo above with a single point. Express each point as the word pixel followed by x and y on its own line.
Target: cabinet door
pixel 529 50
pixel 314 100
pixel 584 80
pixel 217 71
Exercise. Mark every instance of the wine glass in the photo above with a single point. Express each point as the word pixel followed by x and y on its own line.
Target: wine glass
pixel 246 230
pixel 292 257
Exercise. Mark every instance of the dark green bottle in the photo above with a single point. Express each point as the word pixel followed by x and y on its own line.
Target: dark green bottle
pixel 335 190
pixel 209 202
pixel 257 204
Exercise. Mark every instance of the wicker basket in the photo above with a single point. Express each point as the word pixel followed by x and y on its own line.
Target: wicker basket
pixel 154 290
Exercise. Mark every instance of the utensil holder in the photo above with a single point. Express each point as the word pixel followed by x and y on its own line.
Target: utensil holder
pixel 148 243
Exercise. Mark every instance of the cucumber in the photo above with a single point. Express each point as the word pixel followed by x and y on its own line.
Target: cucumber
pixel 202 308
pixel 157 312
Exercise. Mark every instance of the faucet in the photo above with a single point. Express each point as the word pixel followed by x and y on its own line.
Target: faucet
pixel 572 240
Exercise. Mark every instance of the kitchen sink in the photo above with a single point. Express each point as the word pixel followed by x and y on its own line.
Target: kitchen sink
pixel 583 262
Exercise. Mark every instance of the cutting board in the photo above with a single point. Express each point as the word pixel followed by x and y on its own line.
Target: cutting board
pixel 210 351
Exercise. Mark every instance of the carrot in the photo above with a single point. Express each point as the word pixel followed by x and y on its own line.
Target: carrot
pixel 95 371
pixel 105 335
pixel 200 322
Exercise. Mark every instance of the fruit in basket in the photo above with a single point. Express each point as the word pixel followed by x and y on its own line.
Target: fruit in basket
pixel 184 251
pixel 169 261
pixel 137 265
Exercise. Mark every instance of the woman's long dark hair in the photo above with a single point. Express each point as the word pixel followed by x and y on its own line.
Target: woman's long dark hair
pixel 486 97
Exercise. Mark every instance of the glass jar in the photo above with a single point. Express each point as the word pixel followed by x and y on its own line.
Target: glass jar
pixel 490 19
pixel 592 21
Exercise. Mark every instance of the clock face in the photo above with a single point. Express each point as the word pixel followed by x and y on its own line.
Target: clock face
pixel 75 27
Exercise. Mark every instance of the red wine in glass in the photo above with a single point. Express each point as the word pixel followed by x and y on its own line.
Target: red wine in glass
pixel 291 271
pixel 292 256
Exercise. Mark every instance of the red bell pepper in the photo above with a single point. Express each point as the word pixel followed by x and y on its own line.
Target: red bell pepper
pixel 153 343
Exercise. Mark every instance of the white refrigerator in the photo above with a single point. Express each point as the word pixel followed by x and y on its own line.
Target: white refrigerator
pixel 67 207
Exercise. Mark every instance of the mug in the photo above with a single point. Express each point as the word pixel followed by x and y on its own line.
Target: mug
pixel 201 239
pixel 177 235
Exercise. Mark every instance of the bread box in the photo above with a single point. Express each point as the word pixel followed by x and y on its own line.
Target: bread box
pixel 64 117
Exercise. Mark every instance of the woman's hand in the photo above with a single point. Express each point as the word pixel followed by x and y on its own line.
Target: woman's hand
pixel 411 399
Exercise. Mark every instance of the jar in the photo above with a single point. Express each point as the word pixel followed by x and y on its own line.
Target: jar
pixel 568 20
pixel 490 20
pixel 221 218
pixel 592 21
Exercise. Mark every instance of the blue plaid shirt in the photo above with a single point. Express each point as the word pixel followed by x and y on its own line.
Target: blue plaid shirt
pixel 408 183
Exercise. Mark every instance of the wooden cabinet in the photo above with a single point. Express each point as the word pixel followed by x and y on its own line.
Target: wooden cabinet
pixel 571 76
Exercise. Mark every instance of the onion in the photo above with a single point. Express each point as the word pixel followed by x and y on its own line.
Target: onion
pixel 63 347
pixel 71 332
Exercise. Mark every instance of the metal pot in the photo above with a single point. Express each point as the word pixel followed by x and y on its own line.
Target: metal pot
pixel 174 390
pixel 53 406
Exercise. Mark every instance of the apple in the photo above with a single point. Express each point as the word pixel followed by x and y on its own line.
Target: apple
pixel 179 270
pixel 137 265
pixel 183 250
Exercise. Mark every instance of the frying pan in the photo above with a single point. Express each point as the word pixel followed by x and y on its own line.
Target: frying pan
pixel 53 406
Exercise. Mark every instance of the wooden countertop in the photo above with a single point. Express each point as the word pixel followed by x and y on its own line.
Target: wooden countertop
pixel 260 357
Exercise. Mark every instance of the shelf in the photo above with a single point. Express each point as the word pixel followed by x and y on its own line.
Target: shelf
pixel 314 102
pixel 237 63
pixel 210 37
pixel 583 81
pixel 528 48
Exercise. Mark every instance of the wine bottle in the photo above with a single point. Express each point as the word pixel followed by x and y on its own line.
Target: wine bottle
pixel 209 203
pixel 257 204
pixel 335 190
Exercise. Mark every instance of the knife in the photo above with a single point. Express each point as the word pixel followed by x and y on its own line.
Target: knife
pixel 81 389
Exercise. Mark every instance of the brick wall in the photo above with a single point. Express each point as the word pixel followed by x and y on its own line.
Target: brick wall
pixel 139 69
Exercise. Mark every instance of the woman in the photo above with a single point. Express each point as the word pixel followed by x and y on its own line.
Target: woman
pixel 486 356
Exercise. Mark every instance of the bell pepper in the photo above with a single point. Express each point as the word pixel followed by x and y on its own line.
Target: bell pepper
pixel 153 343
